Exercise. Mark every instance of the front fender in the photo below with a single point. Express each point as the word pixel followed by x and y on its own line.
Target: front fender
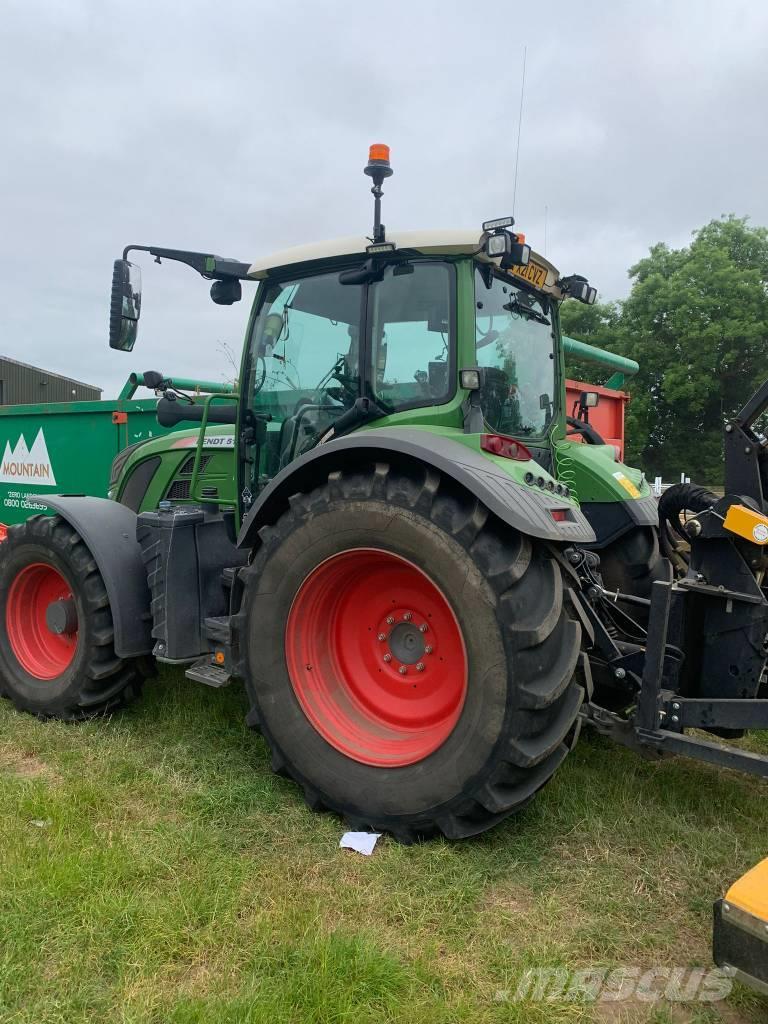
pixel 526 509
pixel 109 531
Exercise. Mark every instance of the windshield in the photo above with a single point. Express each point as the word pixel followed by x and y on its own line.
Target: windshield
pixel 514 339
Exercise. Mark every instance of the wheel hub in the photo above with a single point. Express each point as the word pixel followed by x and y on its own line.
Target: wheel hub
pixel 61 617
pixel 406 643
pixel 41 621
pixel 376 657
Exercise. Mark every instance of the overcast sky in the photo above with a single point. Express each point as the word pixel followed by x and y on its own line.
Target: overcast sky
pixel 240 128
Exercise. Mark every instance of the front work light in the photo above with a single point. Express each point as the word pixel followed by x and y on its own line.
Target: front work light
pixel 497 245
pixel 380 247
pixel 577 287
pixel 500 222
pixel 472 379
pixel 518 256
pixel 507 247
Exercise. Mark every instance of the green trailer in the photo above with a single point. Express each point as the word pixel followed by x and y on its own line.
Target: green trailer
pixel 69 447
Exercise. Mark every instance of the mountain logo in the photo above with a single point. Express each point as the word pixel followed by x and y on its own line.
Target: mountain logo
pixel 27 464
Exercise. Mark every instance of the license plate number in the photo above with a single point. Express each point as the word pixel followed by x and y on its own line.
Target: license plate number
pixel 534 274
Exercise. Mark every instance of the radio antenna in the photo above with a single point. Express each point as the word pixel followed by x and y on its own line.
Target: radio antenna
pixel 519 129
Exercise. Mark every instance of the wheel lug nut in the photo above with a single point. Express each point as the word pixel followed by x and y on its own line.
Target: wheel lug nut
pixel 387 657
pixel 402 670
pixel 428 649
pixel 382 636
pixel 423 628
pixel 419 666
pixel 390 619
pixel 407 617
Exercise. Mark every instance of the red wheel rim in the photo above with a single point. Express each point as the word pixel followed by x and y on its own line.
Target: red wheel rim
pixel 376 658
pixel 40 651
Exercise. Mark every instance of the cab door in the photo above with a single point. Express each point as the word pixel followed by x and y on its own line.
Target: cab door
pixel 302 372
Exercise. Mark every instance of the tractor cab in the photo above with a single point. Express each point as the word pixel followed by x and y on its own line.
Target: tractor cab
pixel 455 331
pixel 334 346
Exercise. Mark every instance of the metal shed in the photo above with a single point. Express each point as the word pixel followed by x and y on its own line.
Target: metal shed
pixel 22 384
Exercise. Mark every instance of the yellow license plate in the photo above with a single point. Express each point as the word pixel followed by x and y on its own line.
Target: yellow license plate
pixel 534 274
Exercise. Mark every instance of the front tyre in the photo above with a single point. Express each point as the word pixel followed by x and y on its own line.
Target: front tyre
pixel 409 659
pixel 57 656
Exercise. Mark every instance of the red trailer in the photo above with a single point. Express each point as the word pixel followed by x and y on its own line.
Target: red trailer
pixel 607 417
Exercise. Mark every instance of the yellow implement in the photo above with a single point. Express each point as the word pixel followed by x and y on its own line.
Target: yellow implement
pixel 746 523
pixel 740 941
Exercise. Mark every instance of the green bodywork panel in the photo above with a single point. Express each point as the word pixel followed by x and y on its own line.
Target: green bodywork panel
pixel 597 475
pixel 173 478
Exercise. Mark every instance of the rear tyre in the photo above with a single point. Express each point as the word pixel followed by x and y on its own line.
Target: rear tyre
pixel 409 659
pixel 57 655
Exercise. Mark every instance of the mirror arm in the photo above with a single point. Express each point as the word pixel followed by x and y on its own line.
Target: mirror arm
pixel 210 267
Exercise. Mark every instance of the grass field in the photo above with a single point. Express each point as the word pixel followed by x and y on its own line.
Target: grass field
pixel 153 869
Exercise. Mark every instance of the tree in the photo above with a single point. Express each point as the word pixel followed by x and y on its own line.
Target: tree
pixel 597 325
pixel 696 320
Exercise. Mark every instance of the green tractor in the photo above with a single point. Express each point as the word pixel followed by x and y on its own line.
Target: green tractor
pixel 425 573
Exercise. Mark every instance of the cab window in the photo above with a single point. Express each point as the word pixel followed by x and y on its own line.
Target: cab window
pixel 304 361
pixel 411 328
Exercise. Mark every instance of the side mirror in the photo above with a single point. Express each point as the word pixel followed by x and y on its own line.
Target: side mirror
pixel 225 292
pixel 124 306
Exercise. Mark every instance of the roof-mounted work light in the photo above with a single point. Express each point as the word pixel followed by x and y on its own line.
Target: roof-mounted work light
pixel 498 224
pixel 577 287
pixel 378 168
pixel 502 244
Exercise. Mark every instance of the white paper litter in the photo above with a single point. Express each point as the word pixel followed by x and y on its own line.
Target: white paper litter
pixel 361 842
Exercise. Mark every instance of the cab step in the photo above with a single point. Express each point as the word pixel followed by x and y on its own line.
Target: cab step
pixel 203 671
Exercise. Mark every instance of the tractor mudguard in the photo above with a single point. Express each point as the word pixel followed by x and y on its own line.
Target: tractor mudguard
pixel 524 508
pixel 612 519
pixel 109 531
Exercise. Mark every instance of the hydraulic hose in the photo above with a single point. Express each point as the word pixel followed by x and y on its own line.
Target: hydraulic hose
pixel 674 501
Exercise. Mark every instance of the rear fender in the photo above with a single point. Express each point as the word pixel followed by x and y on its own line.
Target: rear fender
pixel 109 531
pixel 526 509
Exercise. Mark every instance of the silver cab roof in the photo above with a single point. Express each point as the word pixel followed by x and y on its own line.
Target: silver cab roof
pixel 431 243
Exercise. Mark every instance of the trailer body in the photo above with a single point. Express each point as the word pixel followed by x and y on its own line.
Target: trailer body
pixel 69 447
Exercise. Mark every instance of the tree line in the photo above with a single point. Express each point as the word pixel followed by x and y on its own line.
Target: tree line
pixel 696 319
